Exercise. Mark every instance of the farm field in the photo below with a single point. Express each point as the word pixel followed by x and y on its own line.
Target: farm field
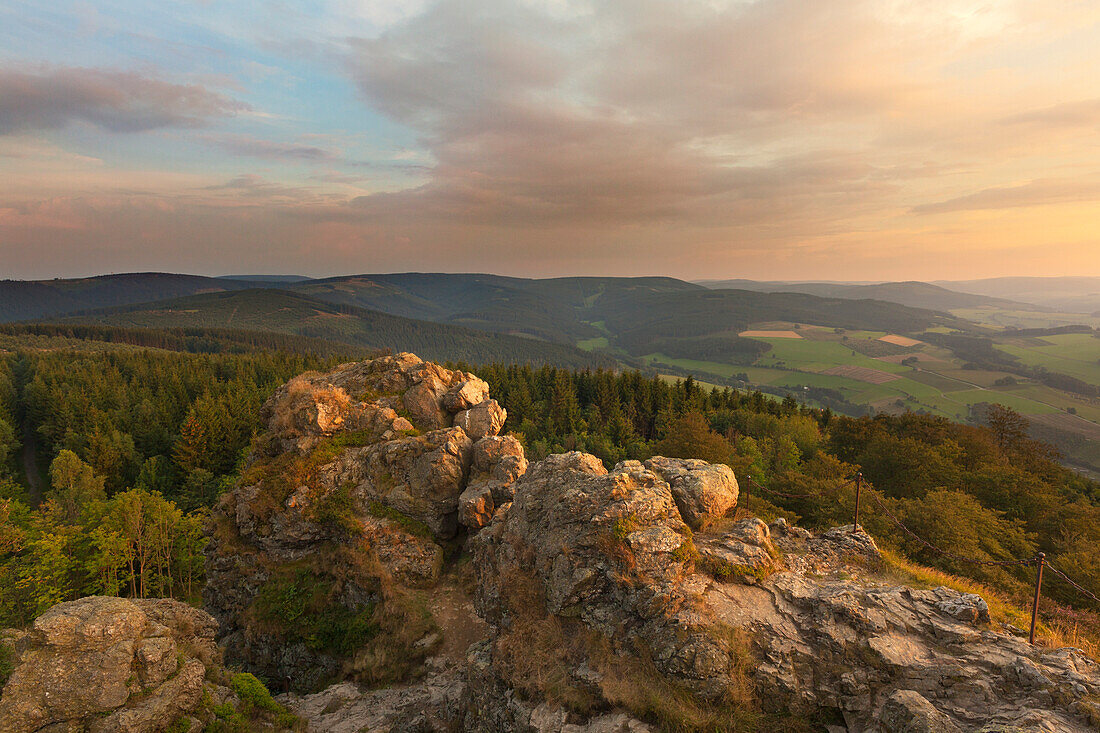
pixel 1003 318
pixel 1075 354
pixel 863 369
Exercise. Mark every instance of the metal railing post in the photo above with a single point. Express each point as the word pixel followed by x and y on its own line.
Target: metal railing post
pixel 1041 557
pixel 855 519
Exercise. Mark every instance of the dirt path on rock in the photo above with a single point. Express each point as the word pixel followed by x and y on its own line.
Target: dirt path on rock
pixel 453 609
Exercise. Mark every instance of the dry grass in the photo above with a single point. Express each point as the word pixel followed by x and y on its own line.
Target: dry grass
pixel 1058 626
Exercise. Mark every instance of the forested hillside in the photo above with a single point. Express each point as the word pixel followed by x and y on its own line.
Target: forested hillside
pixel 293 313
pixel 135 444
pixel 27 299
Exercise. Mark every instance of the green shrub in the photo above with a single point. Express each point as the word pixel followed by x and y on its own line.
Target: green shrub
pixel 181 725
pixel 301 606
pixel 336 509
pixel 408 524
pixel 253 694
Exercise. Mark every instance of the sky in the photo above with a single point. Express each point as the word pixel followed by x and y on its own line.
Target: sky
pixel 763 139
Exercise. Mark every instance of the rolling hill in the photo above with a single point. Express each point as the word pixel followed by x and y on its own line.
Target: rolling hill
pixel 556 309
pixel 1070 294
pixel 626 313
pixel 22 300
pixel 911 293
pixel 282 311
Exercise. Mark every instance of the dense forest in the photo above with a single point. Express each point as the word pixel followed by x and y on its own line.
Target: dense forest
pixel 135 444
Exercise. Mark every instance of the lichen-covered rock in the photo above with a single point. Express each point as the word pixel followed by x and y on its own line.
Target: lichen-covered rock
pixel 475 506
pixel 743 553
pixel 608 549
pixel 703 491
pixel 483 420
pixel 497 462
pixel 353 489
pixel 418 476
pixel 109 664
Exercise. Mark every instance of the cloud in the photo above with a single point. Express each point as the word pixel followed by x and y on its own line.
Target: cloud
pixel 116 101
pixel 1033 193
pixel 628 113
pixel 1083 113
pixel 258 148
pixel 250 185
pixel 768 138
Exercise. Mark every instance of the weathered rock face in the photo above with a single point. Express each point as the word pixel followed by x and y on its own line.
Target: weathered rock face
pixel 109 664
pixel 609 549
pixel 363 475
pixel 703 491
pixel 894 658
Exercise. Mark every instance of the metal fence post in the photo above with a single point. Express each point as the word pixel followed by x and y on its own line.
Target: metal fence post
pixel 1041 557
pixel 855 520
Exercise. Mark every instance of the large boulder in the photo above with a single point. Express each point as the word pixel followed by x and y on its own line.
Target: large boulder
pixel 703 491
pixel 363 476
pixel 483 420
pixel 109 664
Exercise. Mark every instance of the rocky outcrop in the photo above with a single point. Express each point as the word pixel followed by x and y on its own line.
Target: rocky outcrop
pixel 611 597
pixel 894 658
pixel 104 664
pixel 703 491
pixel 609 549
pixel 362 479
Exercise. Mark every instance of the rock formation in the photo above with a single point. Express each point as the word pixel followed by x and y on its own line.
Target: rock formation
pixel 353 496
pixel 385 537
pixel 612 597
pixel 108 665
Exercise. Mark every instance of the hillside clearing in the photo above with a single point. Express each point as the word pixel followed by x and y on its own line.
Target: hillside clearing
pixel 771 334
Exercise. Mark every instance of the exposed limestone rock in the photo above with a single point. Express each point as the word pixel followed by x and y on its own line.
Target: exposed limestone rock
pixel 475 506
pixel 906 711
pixel 366 473
pixel 348 500
pixel 432 705
pixel 702 490
pixel 108 664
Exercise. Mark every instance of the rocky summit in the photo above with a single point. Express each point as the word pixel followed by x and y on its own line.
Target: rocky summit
pixel 352 500
pixel 392 563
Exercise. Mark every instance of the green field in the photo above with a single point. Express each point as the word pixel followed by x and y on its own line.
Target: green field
pixel 1075 354
pixel 600 342
pixel 940 385
pixel 1004 318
